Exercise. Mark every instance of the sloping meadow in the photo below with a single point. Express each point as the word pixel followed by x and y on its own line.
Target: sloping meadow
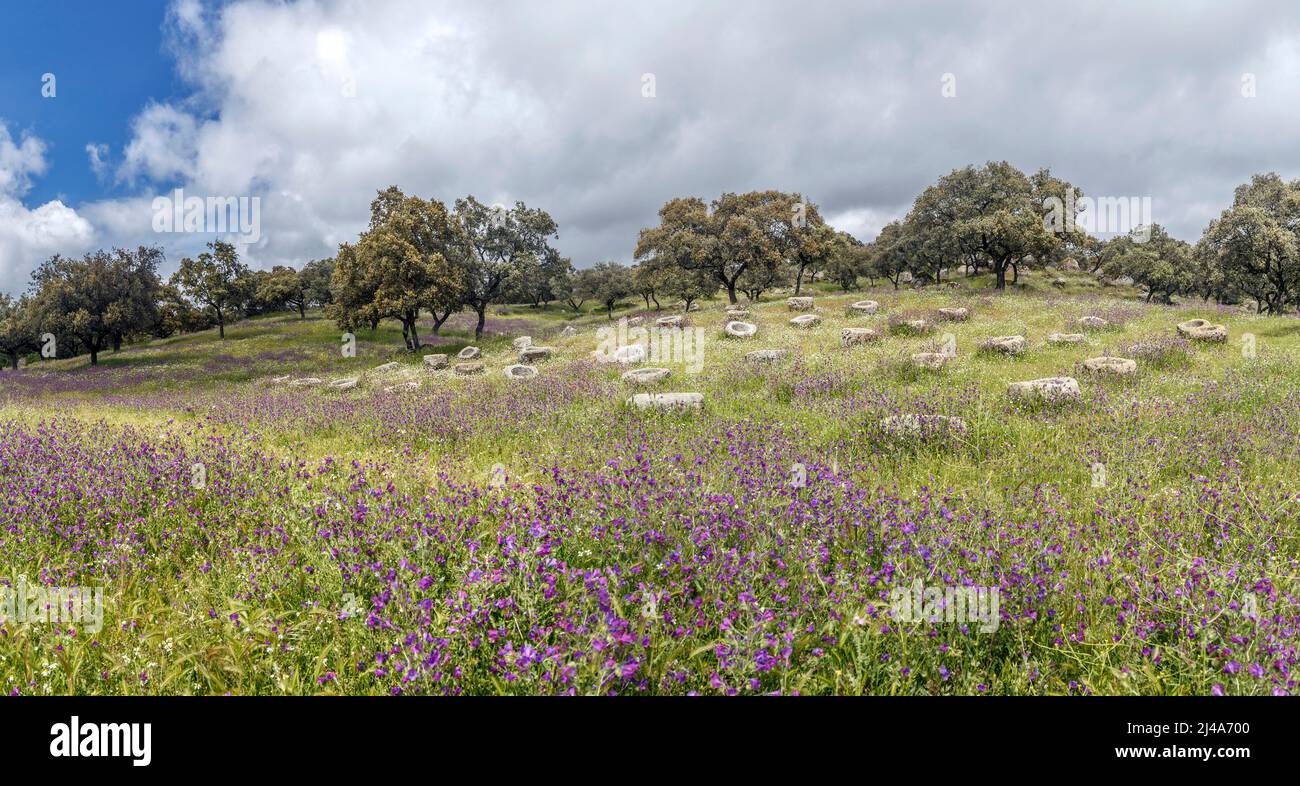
pixel 657 556
pixel 486 535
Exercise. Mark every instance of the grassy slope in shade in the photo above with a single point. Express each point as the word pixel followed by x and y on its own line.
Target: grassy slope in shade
pixel 354 542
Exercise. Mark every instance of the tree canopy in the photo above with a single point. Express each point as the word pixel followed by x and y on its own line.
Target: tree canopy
pixel 217 281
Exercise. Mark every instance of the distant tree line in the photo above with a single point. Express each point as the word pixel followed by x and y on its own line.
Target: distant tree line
pixel 420 256
pixel 995 219
pixel 105 299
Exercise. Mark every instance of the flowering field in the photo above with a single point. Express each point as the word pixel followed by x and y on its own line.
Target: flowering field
pixel 487 535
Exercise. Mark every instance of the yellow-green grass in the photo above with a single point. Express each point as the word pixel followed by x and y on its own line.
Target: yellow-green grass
pixel 1134 426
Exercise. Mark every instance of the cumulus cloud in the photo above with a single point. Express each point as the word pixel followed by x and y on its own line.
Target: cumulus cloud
pixel 315 105
pixel 98 155
pixel 163 145
pixel 19 161
pixel 27 236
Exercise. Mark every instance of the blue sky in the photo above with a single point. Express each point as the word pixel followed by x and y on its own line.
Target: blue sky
pixel 311 106
pixel 108 60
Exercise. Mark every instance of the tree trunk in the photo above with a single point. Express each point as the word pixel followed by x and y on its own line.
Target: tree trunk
pixel 302 311
pixel 731 291
pixel 1001 271
pixel 438 320
pixel 481 308
pixel 221 325
pixel 798 280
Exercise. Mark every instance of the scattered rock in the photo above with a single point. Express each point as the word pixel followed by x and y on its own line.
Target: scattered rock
pixel 1202 330
pixel 864 307
pixel 534 354
pixel 906 278
pixel 465 369
pixel 1046 389
pixel 922 426
pixel 1066 338
pixel 386 368
pixel 435 362
pixel 522 343
pixel 955 314
pixel 766 355
pixel 1059 282
pixel 346 383
pixel 646 376
pixel 1093 323
pixel 1070 264
pixel 929 360
pixel 799 303
pixel 806 321
pixel 1110 365
pixel 568 332
pixel 403 387
pixel 738 329
pixel 667 401
pixel 671 322
pixel 624 356
pixel 279 380
pixel 306 382
pixel 1122 281
pixel 635 321
pixel 469 353
pixel 738 313
pixel 854 336
pixel 914 326
pixel 1010 345
pixel 520 371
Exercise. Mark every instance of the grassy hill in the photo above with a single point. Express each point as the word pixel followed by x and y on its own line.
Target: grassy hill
pixel 481 534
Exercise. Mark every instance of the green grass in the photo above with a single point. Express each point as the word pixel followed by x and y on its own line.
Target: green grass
pixel 1159 435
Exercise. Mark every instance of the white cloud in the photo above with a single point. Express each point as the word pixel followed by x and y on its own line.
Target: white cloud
pixel 28 236
pixel 98 155
pixel 313 106
pixel 18 162
pixel 162 146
